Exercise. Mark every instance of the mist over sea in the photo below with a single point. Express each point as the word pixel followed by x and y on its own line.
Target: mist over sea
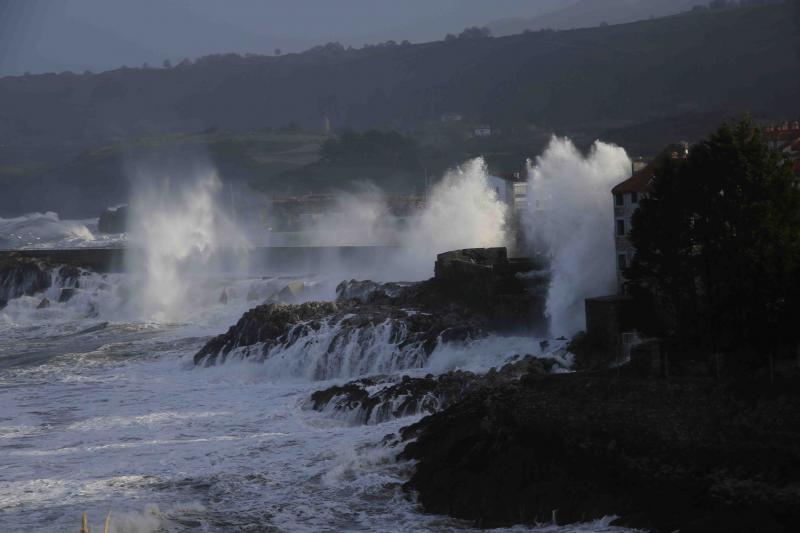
pixel 105 411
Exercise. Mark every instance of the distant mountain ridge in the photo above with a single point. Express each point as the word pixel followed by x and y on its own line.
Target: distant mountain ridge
pixel 588 13
pixel 582 83
pixel 613 75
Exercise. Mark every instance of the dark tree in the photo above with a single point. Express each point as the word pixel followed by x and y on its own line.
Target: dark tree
pixel 475 33
pixel 718 244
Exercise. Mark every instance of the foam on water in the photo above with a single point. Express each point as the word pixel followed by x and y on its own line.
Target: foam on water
pixel 48 230
pixel 118 419
pixel 104 410
pixel 571 219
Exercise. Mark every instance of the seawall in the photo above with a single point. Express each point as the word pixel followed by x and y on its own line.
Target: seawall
pixel 275 259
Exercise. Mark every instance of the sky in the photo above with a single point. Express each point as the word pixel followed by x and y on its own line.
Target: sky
pixel 57 35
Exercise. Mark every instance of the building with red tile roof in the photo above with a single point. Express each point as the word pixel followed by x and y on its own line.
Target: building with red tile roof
pixel 626 201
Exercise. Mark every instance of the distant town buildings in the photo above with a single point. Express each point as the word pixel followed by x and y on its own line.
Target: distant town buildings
pixel 512 190
pixel 448 118
pixel 484 130
pixel 785 138
pixel 627 196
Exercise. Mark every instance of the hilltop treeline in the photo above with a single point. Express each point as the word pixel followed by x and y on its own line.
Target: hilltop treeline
pixel 600 77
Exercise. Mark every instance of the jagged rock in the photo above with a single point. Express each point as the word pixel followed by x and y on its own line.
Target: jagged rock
pixel 26 276
pixel 688 455
pixel 223 298
pixel 377 399
pixel 263 324
pixel 459 303
pixel 403 397
pixel 346 334
pixel 66 294
pixel 369 291
pixel 44 304
pixel 22 276
pixel 113 220
pixel 291 293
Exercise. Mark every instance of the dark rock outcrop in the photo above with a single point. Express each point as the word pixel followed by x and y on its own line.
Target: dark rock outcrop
pixel 369 291
pixel 21 276
pixel 474 291
pixel 66 294
pixel 26 276
pixel 113 220
pixel 349 334
pixel 377 399
pixel 688 455
pixel 267 324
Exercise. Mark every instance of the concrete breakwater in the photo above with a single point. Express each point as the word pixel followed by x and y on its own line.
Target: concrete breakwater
pixel 267 259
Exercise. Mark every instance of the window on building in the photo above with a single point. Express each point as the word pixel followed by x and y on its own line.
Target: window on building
pixel 620 227
pixel 634 198
pixel 622 261
pixel 618 199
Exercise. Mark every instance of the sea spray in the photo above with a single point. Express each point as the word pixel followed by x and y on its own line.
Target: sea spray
pixel 570 218
pixel 461 211
pixel 176 230
pixel 44 230
pixel 354 220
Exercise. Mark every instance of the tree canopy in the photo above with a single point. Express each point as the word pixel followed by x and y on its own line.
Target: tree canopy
pixel 718 244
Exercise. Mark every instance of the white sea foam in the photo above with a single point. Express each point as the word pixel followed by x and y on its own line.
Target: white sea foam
pixel 571 219
pixel 49 230
pixel 225 448
pixel 103 409
pixel 176 228
pixel 461 211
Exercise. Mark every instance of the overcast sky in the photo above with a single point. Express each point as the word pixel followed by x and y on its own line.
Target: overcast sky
pixel 57 35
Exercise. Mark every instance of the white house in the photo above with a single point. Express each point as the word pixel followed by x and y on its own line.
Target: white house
pixel 512 190
pixel 627 196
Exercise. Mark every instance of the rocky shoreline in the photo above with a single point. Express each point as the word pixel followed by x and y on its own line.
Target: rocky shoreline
pixel 663 455
pixel 373 400
pixel 474 292
pixel 26 276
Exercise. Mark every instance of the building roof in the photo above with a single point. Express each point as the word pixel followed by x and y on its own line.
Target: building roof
pixel 639 182
pixel 642 180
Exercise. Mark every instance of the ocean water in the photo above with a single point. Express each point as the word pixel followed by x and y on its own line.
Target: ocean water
pixel 105 412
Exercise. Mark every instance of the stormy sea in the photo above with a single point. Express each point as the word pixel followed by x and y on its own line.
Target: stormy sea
pixel 116 399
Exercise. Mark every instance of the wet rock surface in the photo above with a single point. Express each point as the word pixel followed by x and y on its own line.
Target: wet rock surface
pixel 688 455
pixel 25 276
pixel 345 328
pixel 377 399
pixel 474 292
pixel 113 220
pixel 267 323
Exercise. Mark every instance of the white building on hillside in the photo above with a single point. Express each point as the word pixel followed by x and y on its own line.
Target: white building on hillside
pixel 627 196
pixel 512 190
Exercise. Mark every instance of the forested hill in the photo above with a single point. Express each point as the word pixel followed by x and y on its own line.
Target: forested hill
pixel 600 78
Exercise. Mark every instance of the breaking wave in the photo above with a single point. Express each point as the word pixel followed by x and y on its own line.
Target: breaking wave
pixel 570 218
pixel 45 230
